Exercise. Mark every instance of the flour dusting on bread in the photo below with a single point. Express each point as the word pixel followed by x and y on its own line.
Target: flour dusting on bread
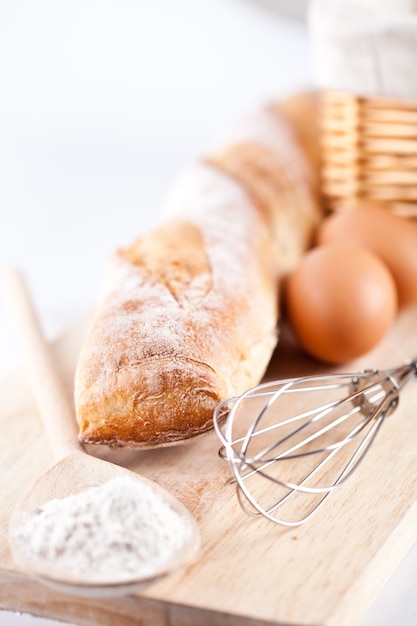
pixel 171 344
pixel 188 314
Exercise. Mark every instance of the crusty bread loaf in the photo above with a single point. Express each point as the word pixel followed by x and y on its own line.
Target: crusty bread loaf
pixel 189 312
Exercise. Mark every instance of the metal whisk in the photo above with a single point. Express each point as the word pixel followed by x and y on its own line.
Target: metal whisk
pixel 296 451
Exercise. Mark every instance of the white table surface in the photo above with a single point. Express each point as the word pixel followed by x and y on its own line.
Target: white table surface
pixel 102 103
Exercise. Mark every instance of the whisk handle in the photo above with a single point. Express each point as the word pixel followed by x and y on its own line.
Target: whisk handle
pixel 404 374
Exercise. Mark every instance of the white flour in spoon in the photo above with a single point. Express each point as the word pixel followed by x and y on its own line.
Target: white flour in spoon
pixel 118 530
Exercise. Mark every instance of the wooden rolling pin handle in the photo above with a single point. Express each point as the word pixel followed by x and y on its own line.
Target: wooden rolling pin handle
pixel 42 370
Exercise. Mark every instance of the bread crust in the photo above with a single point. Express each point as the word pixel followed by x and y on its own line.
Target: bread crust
pixel 188 314
pixel 178 329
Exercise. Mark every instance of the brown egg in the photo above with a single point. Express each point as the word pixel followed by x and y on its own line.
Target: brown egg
pixel 391 237
pixel 340 301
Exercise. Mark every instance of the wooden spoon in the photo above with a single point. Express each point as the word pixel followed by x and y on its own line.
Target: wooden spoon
pixel 74 469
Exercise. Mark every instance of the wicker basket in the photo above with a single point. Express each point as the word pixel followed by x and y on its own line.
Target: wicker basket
pixel 369 149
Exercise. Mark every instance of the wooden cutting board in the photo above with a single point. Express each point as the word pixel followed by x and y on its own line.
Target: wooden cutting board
pixel 249 571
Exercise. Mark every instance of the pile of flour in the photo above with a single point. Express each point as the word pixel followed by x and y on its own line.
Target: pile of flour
pixel 118 530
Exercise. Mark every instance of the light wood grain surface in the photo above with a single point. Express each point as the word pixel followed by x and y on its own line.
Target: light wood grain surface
pixel 248 571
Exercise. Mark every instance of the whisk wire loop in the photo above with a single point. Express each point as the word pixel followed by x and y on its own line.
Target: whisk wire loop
pixel 287 458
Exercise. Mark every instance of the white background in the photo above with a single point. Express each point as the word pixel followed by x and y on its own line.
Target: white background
pixel 102 103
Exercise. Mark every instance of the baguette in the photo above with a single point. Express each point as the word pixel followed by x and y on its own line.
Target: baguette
pixel 188 314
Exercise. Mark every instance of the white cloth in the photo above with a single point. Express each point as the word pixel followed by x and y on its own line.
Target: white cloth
pixel 365 47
